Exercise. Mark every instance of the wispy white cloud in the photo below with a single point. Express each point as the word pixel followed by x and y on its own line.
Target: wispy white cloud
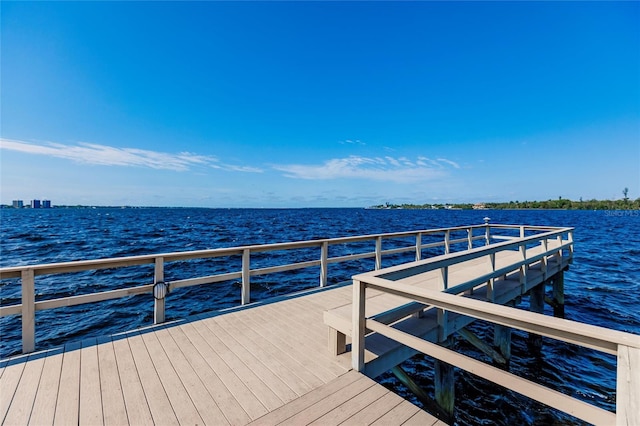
pixel 451 163
pixel 352 142
pixel 399 170
pixel 90 153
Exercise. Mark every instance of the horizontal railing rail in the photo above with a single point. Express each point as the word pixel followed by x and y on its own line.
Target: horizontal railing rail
pixel 625 345
pixel 446 238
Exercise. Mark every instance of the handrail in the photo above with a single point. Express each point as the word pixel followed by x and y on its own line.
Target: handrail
pixel 28 273
pixel 625 345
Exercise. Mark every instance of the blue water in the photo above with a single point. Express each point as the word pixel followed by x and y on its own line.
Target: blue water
pixel 602 287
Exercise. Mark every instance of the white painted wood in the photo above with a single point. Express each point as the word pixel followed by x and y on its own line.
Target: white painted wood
pixel 358 326
pixel 398 415
pixel 28 311
pixel 132 399
pixel 342 412
pixel 378 252
pixel 67 406
pixel 316 396
pixel 200 337
pixel 156 397
pixel 628 386
pixel 90 396
pixel 324 406
pixel 158 304
pixel 246 276
pixel 181 402
pixel 199 395
pixel 447 243
pixel 20 409
pixel 8 384
pixel 418 246
pixel 376 410
pixel 262 391
pixel 44 406
pixel 92 297
pixel 594 337
pixel 324 254
pixel 271 371
pixel 573 406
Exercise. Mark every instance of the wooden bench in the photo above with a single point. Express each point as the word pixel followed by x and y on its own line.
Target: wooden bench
pixel 418 319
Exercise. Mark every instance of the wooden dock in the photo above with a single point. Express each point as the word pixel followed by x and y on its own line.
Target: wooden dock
pixel 263 365
pixel 268 362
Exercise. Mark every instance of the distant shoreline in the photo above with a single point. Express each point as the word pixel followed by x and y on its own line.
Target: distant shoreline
pixel 526 205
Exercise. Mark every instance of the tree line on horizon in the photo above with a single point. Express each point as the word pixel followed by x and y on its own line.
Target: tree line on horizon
pixel 559 204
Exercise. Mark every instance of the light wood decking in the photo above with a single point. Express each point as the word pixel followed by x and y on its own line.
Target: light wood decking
pixel 266 364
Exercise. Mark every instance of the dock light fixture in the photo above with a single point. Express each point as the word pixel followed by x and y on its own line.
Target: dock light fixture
pixel 160 290
pixel 486 220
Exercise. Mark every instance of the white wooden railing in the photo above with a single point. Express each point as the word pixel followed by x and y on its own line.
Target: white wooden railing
pixel 625 345
pixel 464 236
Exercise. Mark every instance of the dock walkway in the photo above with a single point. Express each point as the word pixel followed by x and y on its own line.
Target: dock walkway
pixel 266 364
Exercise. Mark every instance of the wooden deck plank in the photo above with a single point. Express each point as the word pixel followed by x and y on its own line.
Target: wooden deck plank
pixel 250 360
pixel 155 395
pixel 67 405
pixel 228 404
pixel 9 383
pixel 314 334
pixel 293 374
pixel 422 418
pixel 346 410
pixel 316 374
pixel 44 406
pixel 204 403
pixel 316 344
pixel 20 410
pixel 312 337
pixel 325 405
pixel 375 411
pixel 291 409
pixel 183 406
pixel 114 411
pixel 398 414
pixel 243 394
pixel 295 350
pixel 136 407
pixel 90 395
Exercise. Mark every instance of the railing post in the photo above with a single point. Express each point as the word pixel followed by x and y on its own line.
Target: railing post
pixel 358 326
pixel 487 231
pixel 444 277
pixel 628 386
pixel 447 238
pixel 158 302
pixel 559 252
pixel 545 248
pixel 490 284
pixel 469 238
pixel 378 252
pixel 523 269
pixel 418 247
pixel 324 255
pixel 522 232
pixel 570 237
pixel 246 276
pixel 28 311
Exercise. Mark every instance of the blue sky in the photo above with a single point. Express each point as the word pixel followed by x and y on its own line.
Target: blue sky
pixel 305 104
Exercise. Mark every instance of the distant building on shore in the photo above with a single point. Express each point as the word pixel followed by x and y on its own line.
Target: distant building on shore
pixel 18 204
pixel 46 204
pixel 35 204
